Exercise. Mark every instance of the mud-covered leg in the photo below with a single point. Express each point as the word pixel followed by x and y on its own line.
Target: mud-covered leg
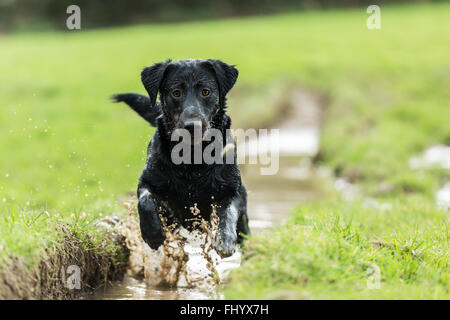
pixel 150 223
pixel 227 238
pixel 242 224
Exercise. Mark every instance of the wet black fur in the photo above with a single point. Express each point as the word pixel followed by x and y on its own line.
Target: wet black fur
pixel 171 189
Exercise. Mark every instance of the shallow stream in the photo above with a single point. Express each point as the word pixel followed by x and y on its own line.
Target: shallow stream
pixel 270 200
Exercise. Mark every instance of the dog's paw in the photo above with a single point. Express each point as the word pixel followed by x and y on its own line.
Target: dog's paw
pixel 153 239
pixel 152 233
pixel 151 227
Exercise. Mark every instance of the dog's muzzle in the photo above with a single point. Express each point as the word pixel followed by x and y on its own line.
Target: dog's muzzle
pixel 193 125
pixel 196 128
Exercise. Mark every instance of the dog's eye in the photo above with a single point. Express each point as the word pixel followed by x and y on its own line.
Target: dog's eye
pixel 176 93
pixel 205 92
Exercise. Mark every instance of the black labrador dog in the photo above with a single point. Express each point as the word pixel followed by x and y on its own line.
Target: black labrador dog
pixel 192 97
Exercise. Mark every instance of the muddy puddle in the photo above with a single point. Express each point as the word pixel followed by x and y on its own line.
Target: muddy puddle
pixel 436 156
pixel 270 200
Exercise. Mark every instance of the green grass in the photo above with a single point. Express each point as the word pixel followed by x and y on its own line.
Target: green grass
pixel 388 94
pixel 330 251
pixel 66 149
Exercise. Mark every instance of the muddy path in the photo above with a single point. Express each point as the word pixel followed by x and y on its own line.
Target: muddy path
pixel 270 200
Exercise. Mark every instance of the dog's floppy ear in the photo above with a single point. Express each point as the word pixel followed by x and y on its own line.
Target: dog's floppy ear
pixel 226 75
pixel 151 78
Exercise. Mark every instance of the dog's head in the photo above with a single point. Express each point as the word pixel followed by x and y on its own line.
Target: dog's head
pixel 192 92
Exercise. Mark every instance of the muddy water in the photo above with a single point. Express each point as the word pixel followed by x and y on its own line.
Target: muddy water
pixel 270 199
pixel 437 156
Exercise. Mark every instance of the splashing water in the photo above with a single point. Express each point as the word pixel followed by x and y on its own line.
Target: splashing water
pixel 185 259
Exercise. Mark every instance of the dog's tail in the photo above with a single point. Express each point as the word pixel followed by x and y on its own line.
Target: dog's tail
pixel 141 105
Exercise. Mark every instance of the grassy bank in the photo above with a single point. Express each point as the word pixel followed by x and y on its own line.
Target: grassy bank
pixel 348 251
pixel 386 106
pixel 73 263
pixel 68 153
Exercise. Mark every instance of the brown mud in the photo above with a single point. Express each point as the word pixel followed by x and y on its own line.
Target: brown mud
pixel 167 267
pixel 51 278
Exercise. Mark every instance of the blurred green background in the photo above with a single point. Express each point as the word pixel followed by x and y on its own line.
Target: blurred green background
pixel 45 14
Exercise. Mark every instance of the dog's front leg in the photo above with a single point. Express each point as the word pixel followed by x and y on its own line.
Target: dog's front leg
pixel 151 227
pixel 227 237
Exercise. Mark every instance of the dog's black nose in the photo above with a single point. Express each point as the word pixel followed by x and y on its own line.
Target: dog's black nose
pixel 193 125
